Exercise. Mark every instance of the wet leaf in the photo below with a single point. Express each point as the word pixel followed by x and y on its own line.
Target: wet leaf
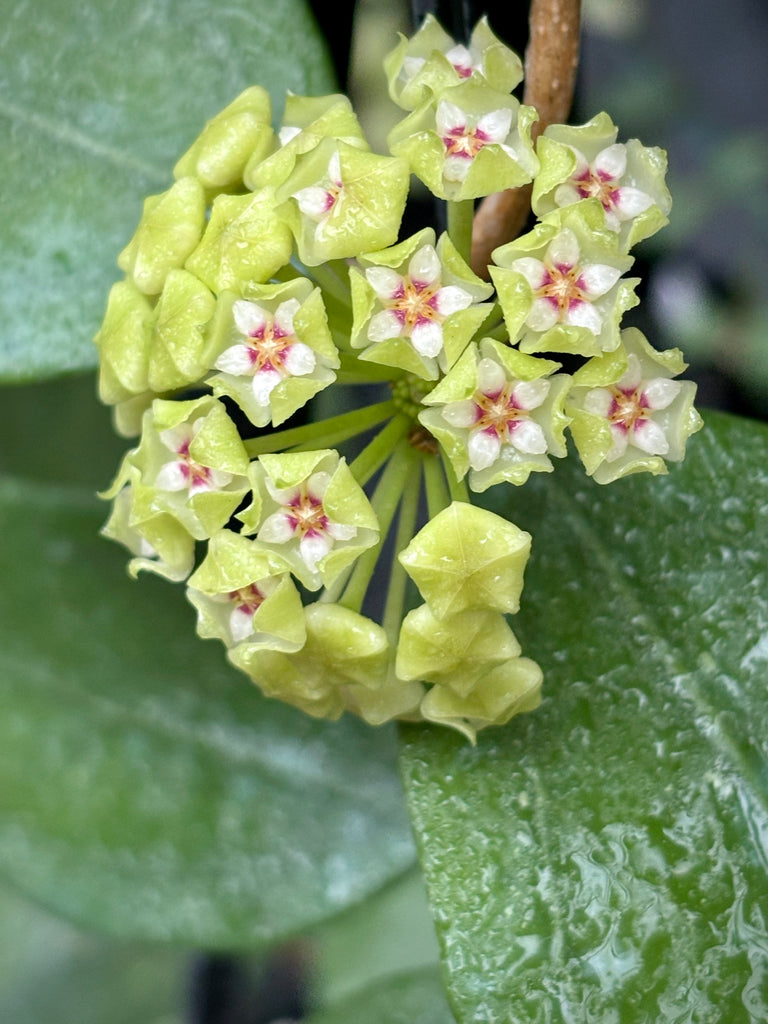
pixel 604 858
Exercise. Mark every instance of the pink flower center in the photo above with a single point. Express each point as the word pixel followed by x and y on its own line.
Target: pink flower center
pixel 463 143
pixel 562 286
pixel 497 413
pixel 306 515
pixel 598 185
pixel 269 345
pixel 198 477
pixel 415 302
pixel 247 599
pixel 628 407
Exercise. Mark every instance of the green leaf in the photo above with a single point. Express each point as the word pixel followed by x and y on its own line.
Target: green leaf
pixel 99 100
pixel 604 858
pixel 390 933
pixel 416 997
pixel 145 787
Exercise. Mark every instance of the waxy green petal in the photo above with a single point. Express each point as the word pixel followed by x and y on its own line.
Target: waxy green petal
pixel 240 132
pixel 455 650
pixel 468 557
pixel 365 216
pixel 170 228
pixel 233 563
pixel 507 690
pixel 124 341
pixel 343 648
pixel 245 242
pixel 307 120
pixel 181 349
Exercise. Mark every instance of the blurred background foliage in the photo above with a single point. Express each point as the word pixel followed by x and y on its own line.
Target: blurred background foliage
pixel 691 78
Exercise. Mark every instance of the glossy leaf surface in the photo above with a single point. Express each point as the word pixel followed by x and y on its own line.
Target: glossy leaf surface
pixel 145 788
pixel 604 858
pixel 97 102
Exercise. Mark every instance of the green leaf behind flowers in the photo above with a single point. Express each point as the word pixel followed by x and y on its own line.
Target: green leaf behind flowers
pixel 97 102
pixel 604 858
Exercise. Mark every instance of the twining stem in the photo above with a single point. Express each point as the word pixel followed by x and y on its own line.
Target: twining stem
pixel 460 215
pixel 398 579
pixel 435 486
pixel 385 499
pixel 324 434
pixel 551 59
pixel 376 453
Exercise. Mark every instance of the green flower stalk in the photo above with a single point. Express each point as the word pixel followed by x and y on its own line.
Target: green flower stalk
pixel 319 399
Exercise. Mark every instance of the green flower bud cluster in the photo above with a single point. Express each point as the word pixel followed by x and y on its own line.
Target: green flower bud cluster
pixel 338 555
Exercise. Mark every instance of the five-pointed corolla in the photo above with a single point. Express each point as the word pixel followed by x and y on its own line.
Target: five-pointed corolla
pixel 586 162
pixel 341 200
pixel 418 305
pixel 309 510
pixel 601 180
pixel 270 371
pixel 182 472
pixel 191 464
pixel 415 304
pixel 431 61
pixel 464 136
pixel 627 414
pixel 499 414
pixel 561 286
pixel 564 289
pixel 468 143
pixel 242 596
pixel 468 557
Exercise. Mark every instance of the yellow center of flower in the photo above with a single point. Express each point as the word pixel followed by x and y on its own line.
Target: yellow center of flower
pixel 562 286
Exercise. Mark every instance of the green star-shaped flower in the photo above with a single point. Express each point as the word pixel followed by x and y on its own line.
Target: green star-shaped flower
pixel 468 557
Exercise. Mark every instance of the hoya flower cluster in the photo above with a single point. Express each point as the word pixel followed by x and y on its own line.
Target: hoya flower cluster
pixel 317 397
